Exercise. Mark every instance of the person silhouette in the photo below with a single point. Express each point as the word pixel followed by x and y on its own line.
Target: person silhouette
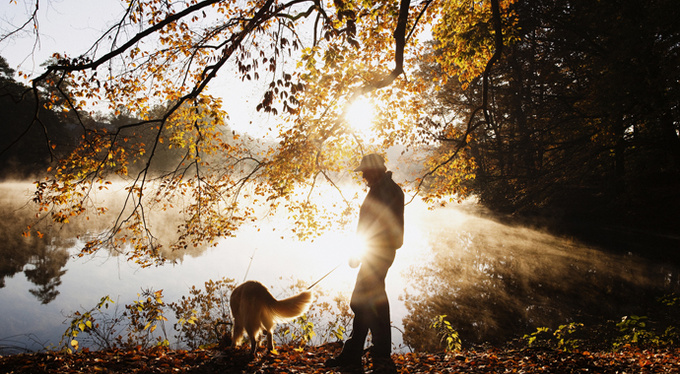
pixel 381 224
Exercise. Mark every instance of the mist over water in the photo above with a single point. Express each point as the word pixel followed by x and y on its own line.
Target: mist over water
pixel 494 281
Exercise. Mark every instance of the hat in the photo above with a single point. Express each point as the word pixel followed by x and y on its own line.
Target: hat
pixel 373 161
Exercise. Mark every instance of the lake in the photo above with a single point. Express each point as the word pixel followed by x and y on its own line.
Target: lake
pixel 491 278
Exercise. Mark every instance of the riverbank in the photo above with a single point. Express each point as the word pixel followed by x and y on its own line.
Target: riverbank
pixel 311 359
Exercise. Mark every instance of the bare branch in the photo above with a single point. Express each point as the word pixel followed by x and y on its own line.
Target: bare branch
pixel 33 19
pixel 134 40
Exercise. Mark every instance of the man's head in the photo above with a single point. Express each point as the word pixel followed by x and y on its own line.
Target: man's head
pixel 372 168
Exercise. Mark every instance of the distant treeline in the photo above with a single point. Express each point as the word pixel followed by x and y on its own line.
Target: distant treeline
pixel 24 150
pixel 33 138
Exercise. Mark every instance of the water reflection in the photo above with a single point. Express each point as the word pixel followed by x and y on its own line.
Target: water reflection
pixel 41 259
pixel 495 282
pixel 48 267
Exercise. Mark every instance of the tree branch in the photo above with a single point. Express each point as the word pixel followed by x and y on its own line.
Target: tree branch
pixel 400 44
pixel 498 44
pixel 137 38
pixel 32 19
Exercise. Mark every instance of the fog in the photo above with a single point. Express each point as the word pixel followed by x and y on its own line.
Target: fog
pixel 493 280
pixel 496 281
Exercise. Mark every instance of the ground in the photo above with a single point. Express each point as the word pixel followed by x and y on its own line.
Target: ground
pixel 311 359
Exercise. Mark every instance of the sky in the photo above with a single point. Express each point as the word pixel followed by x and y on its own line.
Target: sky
pixel 72 26
pixel 64 25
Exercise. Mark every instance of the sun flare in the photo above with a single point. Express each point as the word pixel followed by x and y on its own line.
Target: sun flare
pixel 360 116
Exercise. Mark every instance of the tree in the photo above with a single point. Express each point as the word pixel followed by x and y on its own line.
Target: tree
pixel 23 150
pixel 584 116
pixel 313 57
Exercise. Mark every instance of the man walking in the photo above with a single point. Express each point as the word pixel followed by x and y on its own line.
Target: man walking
pixel 381 224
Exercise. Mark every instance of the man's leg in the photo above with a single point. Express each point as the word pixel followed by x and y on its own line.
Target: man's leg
pixel 379 320
pixel 353 348
pixel 381 329
pixel 371 310
pixel 382 338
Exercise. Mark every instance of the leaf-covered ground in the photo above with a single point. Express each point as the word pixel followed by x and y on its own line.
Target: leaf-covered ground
pixel 310 360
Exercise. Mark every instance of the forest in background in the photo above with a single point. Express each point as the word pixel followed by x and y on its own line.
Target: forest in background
pixel 586 126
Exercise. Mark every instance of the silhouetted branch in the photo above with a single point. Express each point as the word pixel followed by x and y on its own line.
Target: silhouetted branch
pixel 32 19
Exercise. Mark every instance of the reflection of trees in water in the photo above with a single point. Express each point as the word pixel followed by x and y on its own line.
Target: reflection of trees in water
pixel 14 256
pixel 42 259
pixel 46 272
pixel 47 255
pixel 495 282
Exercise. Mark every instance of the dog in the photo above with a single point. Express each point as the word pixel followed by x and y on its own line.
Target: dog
pixel 255 310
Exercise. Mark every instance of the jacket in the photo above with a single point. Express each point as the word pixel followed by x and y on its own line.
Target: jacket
pixel 381 217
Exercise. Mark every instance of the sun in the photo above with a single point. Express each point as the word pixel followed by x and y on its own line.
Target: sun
pixel 360 116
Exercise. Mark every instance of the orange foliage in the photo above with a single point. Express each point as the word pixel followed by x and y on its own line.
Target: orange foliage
pixel 158 62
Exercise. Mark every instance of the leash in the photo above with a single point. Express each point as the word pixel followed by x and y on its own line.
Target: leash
pixel 322 278
pixel 245 276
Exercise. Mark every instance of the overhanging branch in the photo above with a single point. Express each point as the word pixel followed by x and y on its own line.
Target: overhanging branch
pixel 498 44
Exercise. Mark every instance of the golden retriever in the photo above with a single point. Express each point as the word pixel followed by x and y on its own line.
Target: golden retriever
pixel 255 310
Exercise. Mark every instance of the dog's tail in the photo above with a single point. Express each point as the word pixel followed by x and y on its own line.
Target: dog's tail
pixel 291 307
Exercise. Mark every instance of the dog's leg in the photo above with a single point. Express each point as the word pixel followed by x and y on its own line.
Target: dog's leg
pixel 268 329
pixel 253 342
pixel 236 334
pixel 270 341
